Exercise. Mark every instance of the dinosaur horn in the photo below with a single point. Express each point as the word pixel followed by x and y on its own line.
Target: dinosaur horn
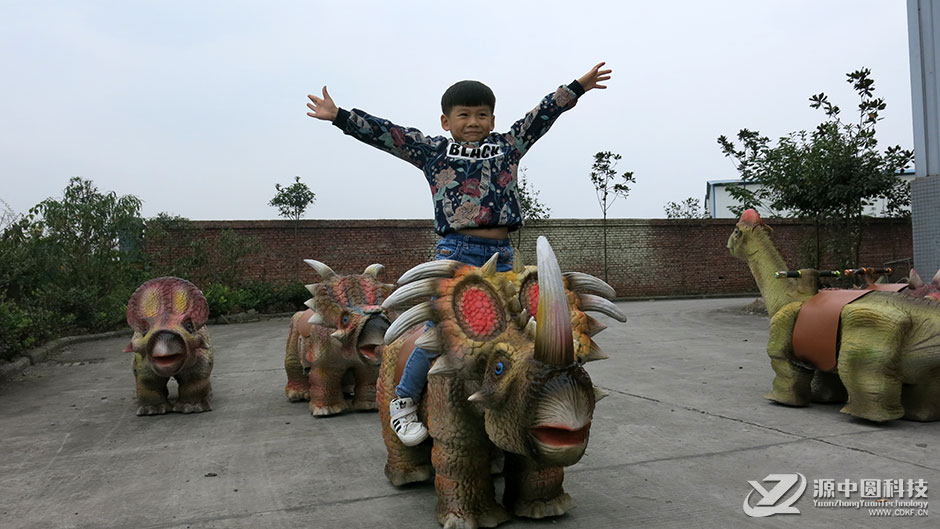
pixel 410 292
pixel 599 304
pixel 581 282
pixel 489 268
pixel 441 268
pixel 593 326
pixel 325 271
pixel 518 266
pixel 936 279
pixel 374 270
pixel 914 279
pixel 553 342
pixel 413 316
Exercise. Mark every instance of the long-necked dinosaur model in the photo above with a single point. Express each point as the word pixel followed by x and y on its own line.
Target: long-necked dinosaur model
pixel 888 343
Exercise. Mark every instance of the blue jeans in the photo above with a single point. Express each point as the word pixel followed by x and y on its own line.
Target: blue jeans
pixel 474 251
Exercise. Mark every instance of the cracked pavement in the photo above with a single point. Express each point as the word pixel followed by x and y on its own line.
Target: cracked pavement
pixel 683 431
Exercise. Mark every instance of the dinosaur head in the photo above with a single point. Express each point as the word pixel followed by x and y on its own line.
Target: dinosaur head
pixel 351 307
pixel 167 315
pixel 749 223
pixel 925 290
pixel 525 372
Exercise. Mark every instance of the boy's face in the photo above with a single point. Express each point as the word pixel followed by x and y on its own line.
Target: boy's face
pixel 469 123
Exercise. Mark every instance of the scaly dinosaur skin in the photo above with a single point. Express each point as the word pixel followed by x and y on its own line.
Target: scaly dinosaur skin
pixel 889 345
pixel 502 382
pixel 335 347
pixel 170 339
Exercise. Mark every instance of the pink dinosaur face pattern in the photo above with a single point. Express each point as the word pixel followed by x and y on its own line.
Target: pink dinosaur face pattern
pixel 166 314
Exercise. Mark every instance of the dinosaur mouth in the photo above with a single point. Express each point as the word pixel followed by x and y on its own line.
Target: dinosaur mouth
pixel 368 351
pixel 561 436
pixel 167 361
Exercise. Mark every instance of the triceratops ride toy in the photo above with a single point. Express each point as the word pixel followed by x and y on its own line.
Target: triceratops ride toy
pixel 877 349
pixel 334 348
pixel 168 315
pixel 503 381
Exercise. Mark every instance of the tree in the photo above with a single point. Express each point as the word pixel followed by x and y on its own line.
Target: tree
pixel 608 185
pixel 687 209
pixel 291 201
pixel 529 204
pixel 828 175
pixel 78 256
pixel 7 216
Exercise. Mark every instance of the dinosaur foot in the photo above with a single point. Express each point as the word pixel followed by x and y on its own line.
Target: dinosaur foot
pixel 297 393
pixel 153 409
pixel 787 399
pixel 490 518
pixel 404 476
pixel 327 410
pixel 365 405
pixel 873 413
pixel 542 509
pixel 193 407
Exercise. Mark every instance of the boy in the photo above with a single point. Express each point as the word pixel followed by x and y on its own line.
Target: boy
pixel 473 185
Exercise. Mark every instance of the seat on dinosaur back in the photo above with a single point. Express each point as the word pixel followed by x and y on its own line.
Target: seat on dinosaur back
pixel 816 333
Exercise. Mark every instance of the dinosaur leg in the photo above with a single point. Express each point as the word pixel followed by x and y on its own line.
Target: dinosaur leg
pixel 151 391
pixel 326 394
pixel 532 491
pixel 195 390
pixel 792 383
pixel 922 400
pixel 298 384
pixel 405 464
pixel 827 387
pixel 364 390
pixel 466 496
pixel 868 362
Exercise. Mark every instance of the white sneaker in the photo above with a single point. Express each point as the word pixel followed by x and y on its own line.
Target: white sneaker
pixel 405 421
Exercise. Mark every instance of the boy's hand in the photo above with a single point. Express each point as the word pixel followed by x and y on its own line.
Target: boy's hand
pixel 323 108
pixel 592 78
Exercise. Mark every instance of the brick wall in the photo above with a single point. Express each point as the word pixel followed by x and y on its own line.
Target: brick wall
pixel 646 258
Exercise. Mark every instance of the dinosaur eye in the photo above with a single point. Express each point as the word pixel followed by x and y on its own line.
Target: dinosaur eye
pixel 499 368
pixel 188 325
pixel 346 319
pixel 144 328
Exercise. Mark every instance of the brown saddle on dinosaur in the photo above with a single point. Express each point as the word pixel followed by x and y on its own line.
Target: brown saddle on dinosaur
pixel 816 333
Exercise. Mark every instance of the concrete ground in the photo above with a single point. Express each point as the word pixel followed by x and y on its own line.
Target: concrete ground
pixel 684 430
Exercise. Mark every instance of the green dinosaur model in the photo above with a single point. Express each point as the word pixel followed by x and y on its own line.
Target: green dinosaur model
pixel 888 345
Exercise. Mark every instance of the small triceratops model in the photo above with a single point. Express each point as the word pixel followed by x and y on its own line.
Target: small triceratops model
pixel 885 345
pixel 168 315
pixel 503 381
pixel 334 348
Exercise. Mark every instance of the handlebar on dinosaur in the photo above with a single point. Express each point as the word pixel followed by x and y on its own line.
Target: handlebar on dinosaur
pixel 849 272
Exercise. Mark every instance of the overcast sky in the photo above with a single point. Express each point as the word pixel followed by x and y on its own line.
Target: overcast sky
pixel 197 107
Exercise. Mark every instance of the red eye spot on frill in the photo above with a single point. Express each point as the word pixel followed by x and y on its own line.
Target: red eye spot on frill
pixel 478 311
pixel 532 298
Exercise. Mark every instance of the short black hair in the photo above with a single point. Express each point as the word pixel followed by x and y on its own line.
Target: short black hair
pixel 468 93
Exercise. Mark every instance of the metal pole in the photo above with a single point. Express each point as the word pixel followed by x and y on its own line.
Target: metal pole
pixel 923 22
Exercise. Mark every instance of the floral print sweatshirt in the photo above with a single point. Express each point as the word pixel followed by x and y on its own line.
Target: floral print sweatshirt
pixel 473 184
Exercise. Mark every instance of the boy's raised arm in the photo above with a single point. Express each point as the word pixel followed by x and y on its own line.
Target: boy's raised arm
pixel 590 80
pixel 322 107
